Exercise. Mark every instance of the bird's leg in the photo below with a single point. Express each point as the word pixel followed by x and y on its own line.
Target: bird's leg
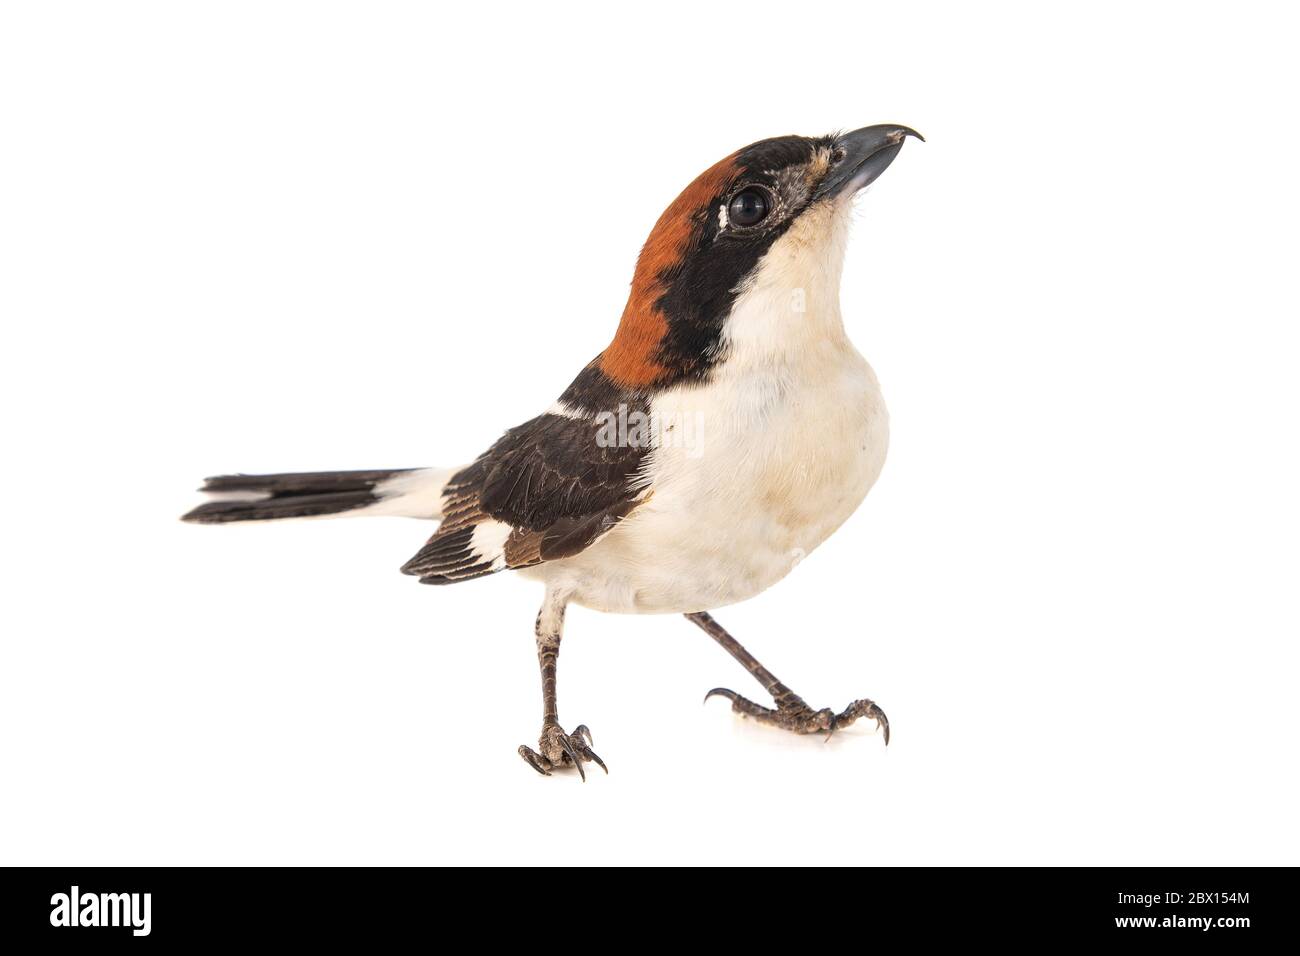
pixel 557 749
pixel 791 713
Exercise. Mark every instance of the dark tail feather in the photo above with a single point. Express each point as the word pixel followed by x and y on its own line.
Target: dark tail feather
pixel 313 494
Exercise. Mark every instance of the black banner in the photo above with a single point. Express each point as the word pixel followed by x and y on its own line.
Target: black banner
pixel 1228 908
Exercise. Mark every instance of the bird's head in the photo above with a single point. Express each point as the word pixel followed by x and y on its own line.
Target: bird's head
pixel 770 218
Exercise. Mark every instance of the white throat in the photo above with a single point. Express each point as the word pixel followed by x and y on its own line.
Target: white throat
pixel 788 311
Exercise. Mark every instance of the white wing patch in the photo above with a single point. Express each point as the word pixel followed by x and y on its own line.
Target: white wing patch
pixel 489 543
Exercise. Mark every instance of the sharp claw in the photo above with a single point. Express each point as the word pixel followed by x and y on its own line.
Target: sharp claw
pixel 882 724
pixel 731 695
pixel 530 758
pixel 569 749
pixel 595 758
pixel 582 734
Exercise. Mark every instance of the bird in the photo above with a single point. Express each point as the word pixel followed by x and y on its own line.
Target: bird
pixel 727 430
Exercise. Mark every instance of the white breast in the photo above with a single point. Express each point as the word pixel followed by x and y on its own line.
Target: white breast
pixel 776 471
pixel 754 469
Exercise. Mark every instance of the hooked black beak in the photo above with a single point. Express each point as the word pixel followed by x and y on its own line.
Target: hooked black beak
pixel 866 153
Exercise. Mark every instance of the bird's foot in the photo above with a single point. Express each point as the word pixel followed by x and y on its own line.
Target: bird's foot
pixel 559 749
pixel 792 714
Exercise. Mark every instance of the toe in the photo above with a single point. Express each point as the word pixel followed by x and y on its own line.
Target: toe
pixel 731 695
pixel 594 757
pixel 571 751
pixel 535 760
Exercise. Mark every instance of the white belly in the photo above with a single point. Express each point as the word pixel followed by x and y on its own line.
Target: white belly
pixel 780 458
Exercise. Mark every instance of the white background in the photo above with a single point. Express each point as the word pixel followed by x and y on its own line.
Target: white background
pixel 271 236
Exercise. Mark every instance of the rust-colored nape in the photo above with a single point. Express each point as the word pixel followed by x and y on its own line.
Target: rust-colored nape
pixel 631 360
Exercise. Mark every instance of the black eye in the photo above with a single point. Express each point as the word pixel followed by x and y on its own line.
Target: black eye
pixel 748 207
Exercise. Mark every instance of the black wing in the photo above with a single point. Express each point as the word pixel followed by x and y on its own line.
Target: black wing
pixel 547 489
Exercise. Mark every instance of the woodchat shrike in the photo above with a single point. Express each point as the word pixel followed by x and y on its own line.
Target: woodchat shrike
pixel 724 433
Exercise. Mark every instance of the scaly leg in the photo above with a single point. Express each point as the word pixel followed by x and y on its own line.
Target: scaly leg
pixel 791 712
pixel 558 749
